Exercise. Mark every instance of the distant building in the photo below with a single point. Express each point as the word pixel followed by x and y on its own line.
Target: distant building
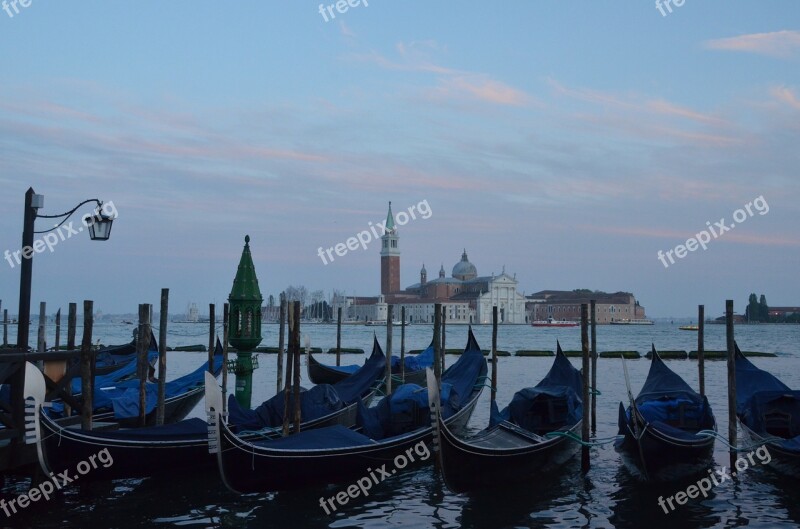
pixel 465 296
pixel 566 305
pixel 783 312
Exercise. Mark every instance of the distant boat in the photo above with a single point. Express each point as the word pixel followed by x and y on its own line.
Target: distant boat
pixel 632 322
pixel 689 328
pixel 550 322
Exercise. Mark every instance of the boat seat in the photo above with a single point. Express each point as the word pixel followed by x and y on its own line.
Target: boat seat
pixel 684 416
pixel 778 423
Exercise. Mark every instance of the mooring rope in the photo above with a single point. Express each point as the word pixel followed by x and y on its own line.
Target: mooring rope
pixel 602 441
pixel 721 438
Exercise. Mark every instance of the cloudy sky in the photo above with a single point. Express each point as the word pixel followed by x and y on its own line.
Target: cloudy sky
pixel 567 141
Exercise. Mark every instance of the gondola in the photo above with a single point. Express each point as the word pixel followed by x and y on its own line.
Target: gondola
pixel 769 414
pixel 659 436
pixel 415 365
pixel 179 447
pixel 399 424
pixel 516 447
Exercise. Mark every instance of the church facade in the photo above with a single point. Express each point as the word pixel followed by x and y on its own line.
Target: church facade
pixel 465 296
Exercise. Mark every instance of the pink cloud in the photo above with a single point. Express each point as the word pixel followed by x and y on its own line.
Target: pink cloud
pixel 786 95
pixel 776 44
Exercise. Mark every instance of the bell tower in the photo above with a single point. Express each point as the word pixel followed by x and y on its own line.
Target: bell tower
pixel 390 256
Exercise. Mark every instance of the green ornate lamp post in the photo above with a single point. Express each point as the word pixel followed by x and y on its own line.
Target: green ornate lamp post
pixel 245 324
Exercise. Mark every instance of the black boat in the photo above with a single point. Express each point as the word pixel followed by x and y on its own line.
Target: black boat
pixel 519 445
pixel 415 365
pixel 769 414
pixel 399 425
pixel 183 446
pixel 659 434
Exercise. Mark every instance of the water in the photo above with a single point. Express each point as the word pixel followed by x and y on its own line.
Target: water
pixel 606 497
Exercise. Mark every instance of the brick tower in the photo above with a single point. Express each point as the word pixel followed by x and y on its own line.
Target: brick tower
pixel 390 257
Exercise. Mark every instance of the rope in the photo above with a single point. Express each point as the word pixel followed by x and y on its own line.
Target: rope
pixel 569 435
pixel 594 391
pixel 720 438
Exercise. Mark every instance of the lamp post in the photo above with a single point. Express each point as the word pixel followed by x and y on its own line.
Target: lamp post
pixel 99 230
pixel 245 324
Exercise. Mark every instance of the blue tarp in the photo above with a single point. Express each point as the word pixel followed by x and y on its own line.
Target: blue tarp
pixel 666 398
pixel 420 361
pixel 319 401
pixel 124 398
pixel 553 403
pixel 407 408
pixel 758 394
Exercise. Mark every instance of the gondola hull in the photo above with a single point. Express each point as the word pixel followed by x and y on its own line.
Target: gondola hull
pixel 658 456
pixel 466 466
pixel 246 467
pixel 319 373
pixel 782 460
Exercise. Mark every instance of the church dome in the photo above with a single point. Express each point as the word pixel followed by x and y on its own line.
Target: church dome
pixel 464 270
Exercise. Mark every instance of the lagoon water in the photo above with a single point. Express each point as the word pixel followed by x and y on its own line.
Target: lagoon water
pixel 606 497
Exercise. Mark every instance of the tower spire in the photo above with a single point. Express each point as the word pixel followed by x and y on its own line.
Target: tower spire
pixel 390 227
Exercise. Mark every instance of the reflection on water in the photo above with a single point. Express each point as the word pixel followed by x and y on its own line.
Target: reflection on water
pixel 606 497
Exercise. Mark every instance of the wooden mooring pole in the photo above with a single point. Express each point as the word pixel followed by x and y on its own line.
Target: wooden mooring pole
pixel 731 379
pixel 41 344
pixel 281 340
pixel 403 343
pixel 212 343
pixel 296 368
pixel 87 382
pixel 339 336
pixel 143 347
pixel 289 364
pixel 226 313
pixel 444 337
pixel 494 354
pixel 389 316
pixel 163 317
pixel 701 347
pixel 585 462
pixel 437 342
pixel 593 308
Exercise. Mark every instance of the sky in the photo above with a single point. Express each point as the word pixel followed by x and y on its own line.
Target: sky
pixel 565 142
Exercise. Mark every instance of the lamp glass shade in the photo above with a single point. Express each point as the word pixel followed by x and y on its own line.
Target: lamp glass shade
pixel 100 229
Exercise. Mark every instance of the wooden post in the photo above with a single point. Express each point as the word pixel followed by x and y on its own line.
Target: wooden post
pixel 5 327
pixel 437 342
pixel 212 343
pixel 87 382
pixel 58 330
pixel 389 316
pixel 281 340
pixel 72 324
pixel 494 353
pixel 701 347
pixel 444 334
pixel 585 372
pixel 339 336
pixel 731 378
pixel 226 308
pixel 41 344
pixel 403 343
pixel 593 396
pixel 289 365
pixel 142 348
pixel 296 368
pixel 163 317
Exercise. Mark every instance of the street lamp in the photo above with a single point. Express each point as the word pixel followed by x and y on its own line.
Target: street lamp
pixel 99 227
